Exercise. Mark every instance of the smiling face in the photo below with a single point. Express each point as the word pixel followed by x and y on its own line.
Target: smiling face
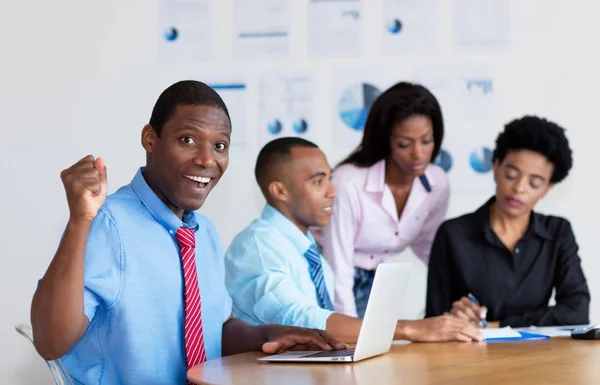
pixel 522 179
pixel 189 157
pixel 305 190
pixel 412 145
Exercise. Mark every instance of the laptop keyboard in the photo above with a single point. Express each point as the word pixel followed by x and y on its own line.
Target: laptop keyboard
pixel 332 353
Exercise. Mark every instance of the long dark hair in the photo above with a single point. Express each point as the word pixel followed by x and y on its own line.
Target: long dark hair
pixel 398 103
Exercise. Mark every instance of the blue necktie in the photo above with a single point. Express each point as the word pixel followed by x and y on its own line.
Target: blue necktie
pixel 316 274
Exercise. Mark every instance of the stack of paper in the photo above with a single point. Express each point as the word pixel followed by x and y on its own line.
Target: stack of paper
pixel 509 334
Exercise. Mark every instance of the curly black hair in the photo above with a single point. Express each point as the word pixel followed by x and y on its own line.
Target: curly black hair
pixel 539 135
pixel 398 103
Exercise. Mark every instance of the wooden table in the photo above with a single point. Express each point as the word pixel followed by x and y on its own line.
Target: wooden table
pixel 560 360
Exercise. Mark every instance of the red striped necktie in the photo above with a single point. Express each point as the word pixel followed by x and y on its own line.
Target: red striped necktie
pixel 194 337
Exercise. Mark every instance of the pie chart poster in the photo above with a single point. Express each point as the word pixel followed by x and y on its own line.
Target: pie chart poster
pixel 353 97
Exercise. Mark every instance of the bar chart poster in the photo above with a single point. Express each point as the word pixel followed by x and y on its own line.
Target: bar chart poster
pixel 234 94
pixel 261 29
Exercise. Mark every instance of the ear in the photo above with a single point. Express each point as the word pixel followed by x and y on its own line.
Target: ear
pixel 149 138
pixel 278 191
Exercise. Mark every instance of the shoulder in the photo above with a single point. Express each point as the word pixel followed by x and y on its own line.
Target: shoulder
pixel 557 227
pixel 349 174
pixel 257 236
pixel 439 179
pixel 459 226
pixel 121 202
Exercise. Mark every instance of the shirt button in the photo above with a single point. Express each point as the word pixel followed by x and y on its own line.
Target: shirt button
pixel 396 234
pixel 372 257
pixel 386 251
pixel 170 231
pixel 517 250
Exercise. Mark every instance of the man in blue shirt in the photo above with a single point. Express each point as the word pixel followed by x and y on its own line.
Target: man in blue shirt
pixel 274 271
pixel 112 300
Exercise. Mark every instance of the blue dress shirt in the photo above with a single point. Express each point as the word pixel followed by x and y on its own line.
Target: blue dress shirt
pixel 134 292
pixel 268 276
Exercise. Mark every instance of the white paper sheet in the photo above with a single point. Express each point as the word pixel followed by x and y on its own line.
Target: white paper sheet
pixel 262 29
pixel 286 106
pixel 481 23
pixel 505 332
pixel 354 92
pixel 234 94
pixel 468 97
pixel 335 28
pixel 186 30
pixel 552 331
pixel 411 26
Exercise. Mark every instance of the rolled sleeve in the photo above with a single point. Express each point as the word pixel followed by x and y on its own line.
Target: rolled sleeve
pixel 103 266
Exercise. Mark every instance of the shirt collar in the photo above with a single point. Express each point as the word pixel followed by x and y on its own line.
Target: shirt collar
pixel 158 208
pixel 536 225
pixel 301 241
pixel 376 178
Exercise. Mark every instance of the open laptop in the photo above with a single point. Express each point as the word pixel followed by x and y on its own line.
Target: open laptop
pixel 379 324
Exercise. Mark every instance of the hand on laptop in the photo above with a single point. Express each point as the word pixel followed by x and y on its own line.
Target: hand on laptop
pixel 441 329
pixel 281 338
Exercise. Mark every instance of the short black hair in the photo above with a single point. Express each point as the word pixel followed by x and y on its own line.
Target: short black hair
pixel 272 155
pixel 539 135
pixel 398 103
pixel 184 93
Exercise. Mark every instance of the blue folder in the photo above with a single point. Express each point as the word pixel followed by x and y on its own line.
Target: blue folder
pixel 524 336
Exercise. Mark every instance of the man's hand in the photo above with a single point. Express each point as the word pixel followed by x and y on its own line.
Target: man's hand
pixel 281 338
pixel 85 185
pixel 441 329
pixel 466 310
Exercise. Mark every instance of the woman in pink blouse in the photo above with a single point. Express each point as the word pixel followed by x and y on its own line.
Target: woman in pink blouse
pixel 390 195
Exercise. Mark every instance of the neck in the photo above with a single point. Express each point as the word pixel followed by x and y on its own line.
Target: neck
pixel 500 221
pixel 149 178
pixel 395 176
pixel 288 214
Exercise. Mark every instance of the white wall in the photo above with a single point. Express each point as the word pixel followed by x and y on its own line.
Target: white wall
pixel 81 77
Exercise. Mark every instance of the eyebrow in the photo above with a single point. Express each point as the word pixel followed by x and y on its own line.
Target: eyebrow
pixel 222 131
pixel 412 139
pixel 317 175
pixel 533 175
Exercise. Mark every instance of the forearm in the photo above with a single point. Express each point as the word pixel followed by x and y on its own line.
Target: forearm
pixel 343 327
pixel 240 337
pixel 57 315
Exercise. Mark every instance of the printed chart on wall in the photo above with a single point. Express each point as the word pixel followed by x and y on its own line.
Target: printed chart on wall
pixel 354 93
pixel 466 156
pixel 186 30
pixel 233 91
pixel 262 29
pixel 469 101
pixel 411 26
pixel 481 24
pixel 286 106
pixel 335 28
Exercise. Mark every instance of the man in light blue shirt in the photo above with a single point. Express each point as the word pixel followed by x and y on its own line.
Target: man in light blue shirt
pixel 273 269
pixel 272 250
pixel 112 300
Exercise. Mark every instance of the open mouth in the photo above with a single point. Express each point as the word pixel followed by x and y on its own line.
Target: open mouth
pixel 200 180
